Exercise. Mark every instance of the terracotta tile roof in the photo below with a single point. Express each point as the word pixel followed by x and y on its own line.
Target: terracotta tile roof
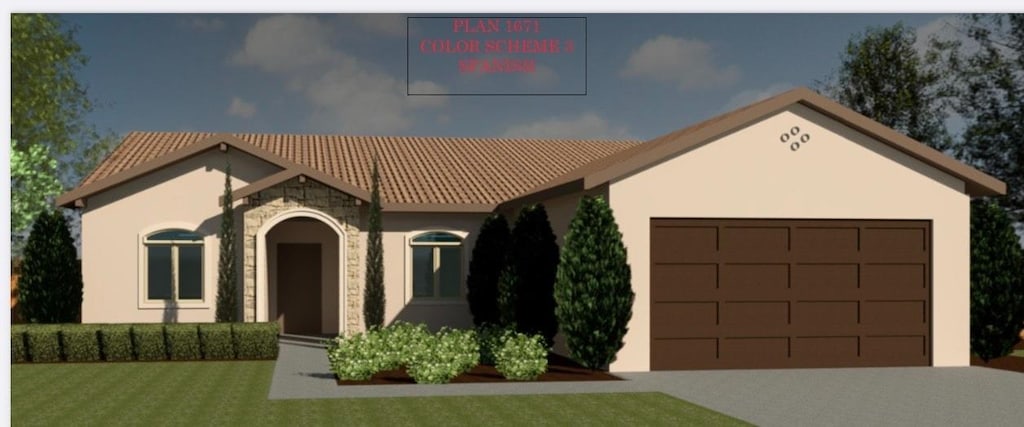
pixel 413 169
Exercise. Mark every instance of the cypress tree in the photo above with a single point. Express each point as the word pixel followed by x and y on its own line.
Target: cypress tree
pixel 485 269
pixel 534 259
pixel 373 295
pixel 593 290
pixel 50 286
pixel 997 281
pixel 227 275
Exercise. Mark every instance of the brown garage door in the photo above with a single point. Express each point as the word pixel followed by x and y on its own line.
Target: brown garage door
pixel 742 293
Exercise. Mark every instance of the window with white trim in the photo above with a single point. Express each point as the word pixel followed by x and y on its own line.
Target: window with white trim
pixel 436 265
pixel 174 266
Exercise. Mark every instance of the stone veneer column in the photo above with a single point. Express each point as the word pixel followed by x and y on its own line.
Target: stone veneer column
pixel 292 194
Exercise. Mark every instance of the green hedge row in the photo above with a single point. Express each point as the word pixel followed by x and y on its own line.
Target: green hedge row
pixel 153 341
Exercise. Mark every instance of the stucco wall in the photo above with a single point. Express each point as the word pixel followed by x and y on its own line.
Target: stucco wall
pixel 298 230
pixel 398 229
pixel 184 195
pixel 839 173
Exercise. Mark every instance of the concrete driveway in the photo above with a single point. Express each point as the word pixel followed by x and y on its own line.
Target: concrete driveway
pixel 819 397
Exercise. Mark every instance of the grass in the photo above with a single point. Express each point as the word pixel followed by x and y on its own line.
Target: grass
pixel 235 393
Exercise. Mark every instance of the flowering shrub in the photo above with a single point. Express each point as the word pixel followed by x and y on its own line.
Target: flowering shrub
pixel 491 337
pixel 443 356
pixel 522 357
pixel 400 342
pixel 356 357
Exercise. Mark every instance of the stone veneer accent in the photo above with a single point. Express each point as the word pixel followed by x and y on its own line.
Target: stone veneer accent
pixel 292 194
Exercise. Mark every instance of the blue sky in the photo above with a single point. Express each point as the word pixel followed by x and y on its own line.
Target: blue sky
pixel 346 73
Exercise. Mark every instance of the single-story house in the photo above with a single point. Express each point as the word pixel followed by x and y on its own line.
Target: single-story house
pixel 789 233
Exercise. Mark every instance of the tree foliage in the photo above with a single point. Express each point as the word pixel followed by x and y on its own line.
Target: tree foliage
pixel 33 184
pixel 534 263
pixel 373 296
pixel 227 277
pixel 50 286
pixel 987 89
pixel 593 289
pixel 997 282
pixel 485 267
pixel 48 109
pixel 883 77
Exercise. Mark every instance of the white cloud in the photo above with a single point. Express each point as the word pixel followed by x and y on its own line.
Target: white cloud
pixel 207 24
pixel 241 108
pixel 345 93
pixel 385 24
pixel 687 63
pixel 751 96
pixel 287 43
pixel 588 125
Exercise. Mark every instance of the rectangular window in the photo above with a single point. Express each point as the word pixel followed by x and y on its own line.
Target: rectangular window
pixel 423 271
pixel 190 272
pixel 173 266
pixel 160 267
pixel 450 271
pixel 436 265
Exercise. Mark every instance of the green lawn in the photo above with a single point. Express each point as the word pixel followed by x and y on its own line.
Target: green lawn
pixel 235 393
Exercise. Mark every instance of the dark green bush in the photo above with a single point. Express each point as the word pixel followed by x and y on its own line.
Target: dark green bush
pixel 215 341
pixel 491 337
pixel 43 343
pixel 50 286
pixel 534 254
pixel 19 350
pixel 593 290
pixel 485 267
pixel 997 282
pixel 255 340
pixel 80 343
pixel 522 357
pixel 183 341
pixel 148 341
pixel 116 342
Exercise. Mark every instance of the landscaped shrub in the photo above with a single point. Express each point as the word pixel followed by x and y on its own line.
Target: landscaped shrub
pixel 81 343
pixel 227 273
pixel 255 340
pixel 148 341
pixel 485 267
pixel 444 356
pixel 43 343
pixel 534 254
pixel 357 357
pixel 183 341
pixel 522 357
pixel 997 282
pixel 215 341
pixel 400 341
pixel 593 290
pixel 116 342
pixel 373 292
pixel 19 350
pixel 490 338
pixel 50 286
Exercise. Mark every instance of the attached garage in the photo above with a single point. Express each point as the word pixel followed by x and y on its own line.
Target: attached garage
pixel 772 293
pixel 790 233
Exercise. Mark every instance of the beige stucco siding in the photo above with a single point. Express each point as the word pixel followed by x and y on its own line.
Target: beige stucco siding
pixel 839 173
pixel 398 229
pixel 183 195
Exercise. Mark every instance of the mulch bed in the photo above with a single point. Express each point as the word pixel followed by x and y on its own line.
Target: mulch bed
pixel 1006 363
pixel 560 368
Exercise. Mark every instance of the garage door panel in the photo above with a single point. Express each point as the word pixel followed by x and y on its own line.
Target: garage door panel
pixel 681 282
pixel 692 244
pixel 790 293
pixel 681 319
pixel 693 353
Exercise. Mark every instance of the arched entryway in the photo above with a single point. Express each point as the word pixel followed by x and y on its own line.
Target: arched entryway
pixel 300 268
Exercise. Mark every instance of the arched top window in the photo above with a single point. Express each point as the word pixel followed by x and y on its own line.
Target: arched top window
pixel 435 237
pixel 436 265
pixel 173 266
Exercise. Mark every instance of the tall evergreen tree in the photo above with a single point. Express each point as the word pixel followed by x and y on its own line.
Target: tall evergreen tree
pixel 883 77
pixel 987 87
pixel 50 286
pixel 997 282
pixel 373 295
pixel 593 289
pixel 534 256
pixel 227 274
pixel 485 269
